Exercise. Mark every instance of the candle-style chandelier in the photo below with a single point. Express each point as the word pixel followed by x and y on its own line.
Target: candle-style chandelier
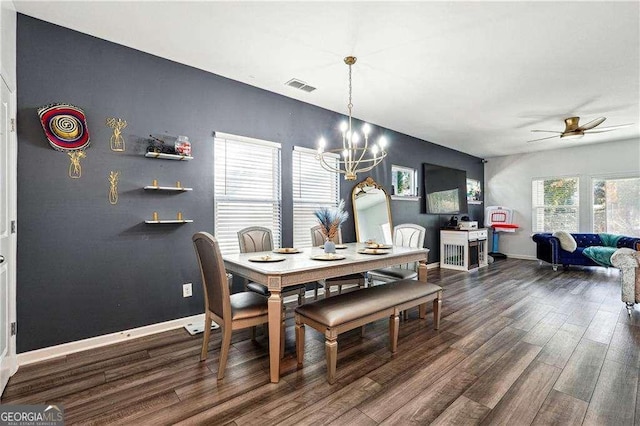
pixel 352 158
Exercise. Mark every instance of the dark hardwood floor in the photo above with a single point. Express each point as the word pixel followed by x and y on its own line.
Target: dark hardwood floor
pixel 519 344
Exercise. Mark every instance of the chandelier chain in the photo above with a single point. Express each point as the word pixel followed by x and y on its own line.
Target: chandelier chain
pixel 350 104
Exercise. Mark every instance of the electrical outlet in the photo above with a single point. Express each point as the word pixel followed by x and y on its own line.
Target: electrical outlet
pixel 187 290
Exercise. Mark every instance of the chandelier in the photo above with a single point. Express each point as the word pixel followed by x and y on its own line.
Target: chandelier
pixel 352 158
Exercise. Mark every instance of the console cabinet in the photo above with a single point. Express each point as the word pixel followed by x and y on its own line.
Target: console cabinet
pixel 463 250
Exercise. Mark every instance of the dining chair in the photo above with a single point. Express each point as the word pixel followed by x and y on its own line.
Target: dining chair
pixel 257 238
pixel 317 239
pixel 230 311
pixel 404 235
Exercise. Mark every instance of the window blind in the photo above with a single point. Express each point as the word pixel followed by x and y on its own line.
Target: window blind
pixel 313 187
pixel 555 203
pixel 247 188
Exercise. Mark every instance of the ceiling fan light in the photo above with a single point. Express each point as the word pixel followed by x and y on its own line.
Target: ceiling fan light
pixel 573 135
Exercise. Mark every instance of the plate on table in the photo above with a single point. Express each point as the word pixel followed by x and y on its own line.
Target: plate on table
pixel 287 250
pixel 328 256
pixel 378 246
pixel 338 246
pixel 267 258
pixel 373 251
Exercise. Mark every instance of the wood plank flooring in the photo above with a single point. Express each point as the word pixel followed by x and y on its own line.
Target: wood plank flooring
pixel 519 344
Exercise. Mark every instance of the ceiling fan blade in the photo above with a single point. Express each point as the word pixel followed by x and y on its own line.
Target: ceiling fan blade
pixel 549 137
pixel 610 128
pixel 592 124
pixel 547 131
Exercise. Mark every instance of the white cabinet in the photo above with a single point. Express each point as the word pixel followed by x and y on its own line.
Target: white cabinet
pixel 463 250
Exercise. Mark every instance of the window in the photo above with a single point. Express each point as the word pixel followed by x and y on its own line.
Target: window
pixel 404 181
pixel 555 204
pixel 616 205
pixel 246 188
pixel 313 187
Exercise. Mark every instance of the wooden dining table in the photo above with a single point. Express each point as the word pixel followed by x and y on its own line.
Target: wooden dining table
pixel 301 267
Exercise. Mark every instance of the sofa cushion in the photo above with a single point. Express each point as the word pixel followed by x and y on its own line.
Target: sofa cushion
pixel 587 240
pixel 600 255
pixel 567 242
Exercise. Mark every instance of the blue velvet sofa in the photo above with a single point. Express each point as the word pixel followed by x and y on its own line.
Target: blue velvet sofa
pixel 548 249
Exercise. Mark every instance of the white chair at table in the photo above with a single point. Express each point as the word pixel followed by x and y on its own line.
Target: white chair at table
pixel 257 238
pixel 317 239
pixel 404 235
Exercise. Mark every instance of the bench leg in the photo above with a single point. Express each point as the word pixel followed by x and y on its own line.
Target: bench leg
pixel 422 309
pixel 331 349
pixel 394 328
pixel 437 304
pixel 299 342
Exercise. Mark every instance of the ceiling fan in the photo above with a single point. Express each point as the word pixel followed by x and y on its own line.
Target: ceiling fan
pixel 574 130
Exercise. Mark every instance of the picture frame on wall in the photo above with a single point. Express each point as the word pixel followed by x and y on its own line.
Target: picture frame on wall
pixel 474 191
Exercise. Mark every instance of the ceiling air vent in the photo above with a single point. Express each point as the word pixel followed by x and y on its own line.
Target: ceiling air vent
pixel 299 84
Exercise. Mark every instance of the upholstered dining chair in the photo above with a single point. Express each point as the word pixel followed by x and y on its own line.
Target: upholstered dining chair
pixel 257 238
pixel 317 239
pixel 404 235
pixel 230 311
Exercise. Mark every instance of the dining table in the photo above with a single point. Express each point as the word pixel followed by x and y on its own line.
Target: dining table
pixel 281 268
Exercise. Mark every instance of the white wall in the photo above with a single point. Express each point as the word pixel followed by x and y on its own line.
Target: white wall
pixel 8 43
pixel 508 182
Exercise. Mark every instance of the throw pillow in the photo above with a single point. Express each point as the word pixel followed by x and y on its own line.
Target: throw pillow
pixel 567 242
pixel 609 240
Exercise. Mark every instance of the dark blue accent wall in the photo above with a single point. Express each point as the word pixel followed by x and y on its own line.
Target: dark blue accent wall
pixel 86 267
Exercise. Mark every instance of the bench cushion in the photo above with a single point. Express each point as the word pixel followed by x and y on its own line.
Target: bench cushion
pixel 395 273
pixel 356 304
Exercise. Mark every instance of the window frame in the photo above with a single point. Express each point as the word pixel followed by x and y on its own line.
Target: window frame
pixel 276 201
pixel 604 176
pixel 414 182
pixel 577 177
pixel 295 200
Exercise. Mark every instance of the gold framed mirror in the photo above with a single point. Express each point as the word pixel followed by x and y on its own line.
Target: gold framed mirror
pixel 371 212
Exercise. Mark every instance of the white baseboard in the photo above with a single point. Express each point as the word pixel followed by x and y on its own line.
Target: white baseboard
pixel 521 256
pixel 43 354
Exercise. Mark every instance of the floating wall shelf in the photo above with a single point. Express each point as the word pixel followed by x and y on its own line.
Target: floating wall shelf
pixel 167 188
pixel 160 222
pixel 168 156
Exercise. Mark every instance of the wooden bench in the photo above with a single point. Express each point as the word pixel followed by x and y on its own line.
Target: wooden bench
pixel 347 311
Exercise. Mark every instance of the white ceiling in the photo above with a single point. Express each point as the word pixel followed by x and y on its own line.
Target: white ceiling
pixel 473 76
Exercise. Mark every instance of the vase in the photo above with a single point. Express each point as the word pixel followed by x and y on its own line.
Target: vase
pixel 329 246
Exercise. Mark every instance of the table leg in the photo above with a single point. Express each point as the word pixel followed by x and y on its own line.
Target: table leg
pixel 422 271
pixel 275 317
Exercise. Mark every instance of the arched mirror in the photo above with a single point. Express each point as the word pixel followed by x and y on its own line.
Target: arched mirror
pixel 371 212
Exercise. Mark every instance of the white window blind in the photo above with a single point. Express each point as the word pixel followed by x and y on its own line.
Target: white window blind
pixel 313 187
pixel 616 205
pixel 555 204
pixel 247 188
